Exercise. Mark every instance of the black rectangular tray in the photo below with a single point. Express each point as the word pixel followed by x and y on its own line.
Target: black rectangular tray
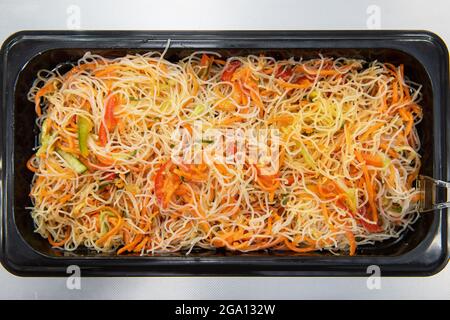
pixel 420 252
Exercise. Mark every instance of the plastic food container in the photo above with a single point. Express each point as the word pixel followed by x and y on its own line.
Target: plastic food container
pixel 419 252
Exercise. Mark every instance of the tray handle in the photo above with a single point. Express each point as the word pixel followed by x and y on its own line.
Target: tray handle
pixel 429 189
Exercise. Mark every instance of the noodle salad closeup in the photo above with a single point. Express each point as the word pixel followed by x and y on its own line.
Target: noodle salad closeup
pixel 105 177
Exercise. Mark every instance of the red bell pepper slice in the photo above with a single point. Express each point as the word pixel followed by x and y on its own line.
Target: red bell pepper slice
pixel 110 120
pixel 372 228
pixel 166 183
pixel 229 70
pixel 283 74
pixel 204 61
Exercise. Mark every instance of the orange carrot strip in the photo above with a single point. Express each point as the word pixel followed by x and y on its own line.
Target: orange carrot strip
pixel 141 245
pixel 294 248
pixel 108 161
pixel 352 242
pixel 107 71
pixel 391 152
pixel 62 242
pixel 304 85
pixel 282 119
pixel 30 166
pixel 407 116
pixel 231 120
pixel 225 106
pixel 82 67
pixel 395 92
pixel 373 160
pixel 371 130
pixel 417 197
pixel 257 99
pixel 266 245
pixel 43 91
pixel 130 246
pixel 195 85
pixel 111 232
pixel 323 206
pixel 369 186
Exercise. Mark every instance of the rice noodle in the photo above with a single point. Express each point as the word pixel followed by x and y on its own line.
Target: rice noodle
pixel 338 118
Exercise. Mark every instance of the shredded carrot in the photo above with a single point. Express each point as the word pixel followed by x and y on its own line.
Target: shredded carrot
pixel 111 232
pixel 391 176
pixel 282 119
pixel 82 67
pixel 352 242
pixel 257 99
pixel 371 130
pixel 369 186
pixel 107 71
pixel 391 152
pixel 141 245
pixel 29 164
pixel 225 106
pixel 304 85
pixel 383 107
pixel 417 197
pixel 106 160
pixel 130 246
pixel 189 129
pixel 324 211
pixel 265 187
pixel 412 177
pixel 231 120
pixel 62 242
pixel 238 94
pixel 195 85
pixel 49 87
pixel 395 92
pixel 294 247
pixel 65 198
pixel 373 159
pixel 407 116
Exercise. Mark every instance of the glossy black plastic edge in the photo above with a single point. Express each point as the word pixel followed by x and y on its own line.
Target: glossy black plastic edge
pixel 421 261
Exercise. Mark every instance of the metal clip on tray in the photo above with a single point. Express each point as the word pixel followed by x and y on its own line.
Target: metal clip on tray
pixel 429 189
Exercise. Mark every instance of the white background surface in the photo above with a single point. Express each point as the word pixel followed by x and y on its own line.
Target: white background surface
pixel 18 15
